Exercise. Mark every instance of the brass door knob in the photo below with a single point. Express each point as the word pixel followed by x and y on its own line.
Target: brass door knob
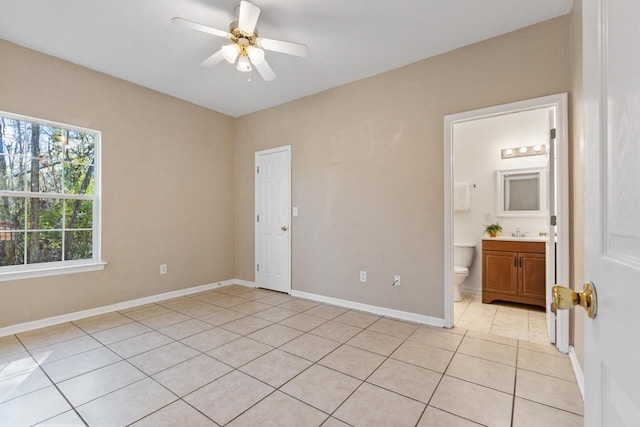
pixel 565 298
pixel 284 228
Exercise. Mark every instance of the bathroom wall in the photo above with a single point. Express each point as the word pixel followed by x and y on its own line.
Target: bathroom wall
pixel 477 149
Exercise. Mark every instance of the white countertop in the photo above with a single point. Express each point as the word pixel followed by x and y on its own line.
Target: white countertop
pixel 519 239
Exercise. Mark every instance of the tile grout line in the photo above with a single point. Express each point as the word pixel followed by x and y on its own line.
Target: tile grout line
pixel 372 372
pixel 440 381
pixel 147 376
pixel 515 386
pixel 302 333
pixel 73 408
pixel 257 379
pixel 179 398
pixel 300 373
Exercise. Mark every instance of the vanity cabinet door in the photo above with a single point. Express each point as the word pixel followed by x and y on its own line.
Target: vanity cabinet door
pixel 513 271
pixel 500 272
pixel 532 275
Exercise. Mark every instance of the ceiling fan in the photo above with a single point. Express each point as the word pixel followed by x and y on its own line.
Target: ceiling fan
pixel 246 48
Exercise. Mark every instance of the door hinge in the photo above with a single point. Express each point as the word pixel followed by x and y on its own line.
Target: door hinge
pixel 258 218
pixel 257 267
pixel 257 169
pixel 554 220
pixel 552 133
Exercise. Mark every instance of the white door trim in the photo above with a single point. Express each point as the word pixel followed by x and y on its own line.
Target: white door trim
pixel 284 148
pixel 562 137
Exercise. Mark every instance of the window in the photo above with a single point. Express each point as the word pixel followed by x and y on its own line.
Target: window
pixel 49 198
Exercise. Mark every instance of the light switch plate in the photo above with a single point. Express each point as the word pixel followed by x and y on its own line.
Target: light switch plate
pixel 295 211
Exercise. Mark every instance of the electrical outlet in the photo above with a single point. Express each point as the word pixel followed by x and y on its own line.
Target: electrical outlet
pixel 163 268
pixel 396 280
pixel 363 276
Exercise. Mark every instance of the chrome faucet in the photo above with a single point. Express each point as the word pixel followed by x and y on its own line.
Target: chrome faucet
pixel 517 233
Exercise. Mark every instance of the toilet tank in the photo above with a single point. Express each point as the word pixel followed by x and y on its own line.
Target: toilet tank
pixel 463 254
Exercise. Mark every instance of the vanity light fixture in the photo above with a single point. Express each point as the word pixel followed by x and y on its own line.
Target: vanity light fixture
pixel 531 150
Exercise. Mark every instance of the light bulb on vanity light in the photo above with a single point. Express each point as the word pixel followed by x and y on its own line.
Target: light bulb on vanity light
pixel 508 151
pixel 523 150
pixel 243 64
pixel 537 148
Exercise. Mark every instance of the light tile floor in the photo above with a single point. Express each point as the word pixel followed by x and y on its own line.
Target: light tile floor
pixel 248 357
pixel 518 321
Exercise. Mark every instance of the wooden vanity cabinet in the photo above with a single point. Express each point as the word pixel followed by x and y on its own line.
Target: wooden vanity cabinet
pixel 514 271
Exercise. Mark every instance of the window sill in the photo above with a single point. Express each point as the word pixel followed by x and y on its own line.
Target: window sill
pixel 49 270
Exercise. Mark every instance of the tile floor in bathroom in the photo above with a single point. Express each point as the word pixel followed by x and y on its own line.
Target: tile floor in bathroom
pixel 239 356
pixel 518 321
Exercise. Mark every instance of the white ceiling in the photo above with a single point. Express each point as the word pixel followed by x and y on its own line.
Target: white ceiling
pixel 348 40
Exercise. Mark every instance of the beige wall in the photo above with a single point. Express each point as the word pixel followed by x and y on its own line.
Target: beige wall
pixel 577 185
pixel 167 185
pixel 367 174
pixel 367 165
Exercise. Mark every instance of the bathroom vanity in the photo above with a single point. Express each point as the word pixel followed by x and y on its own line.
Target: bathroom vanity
pixel 513 269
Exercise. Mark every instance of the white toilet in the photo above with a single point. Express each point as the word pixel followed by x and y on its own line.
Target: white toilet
pixel 462 259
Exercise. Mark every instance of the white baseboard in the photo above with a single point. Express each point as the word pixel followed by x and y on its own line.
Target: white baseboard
pixel 474 291
pixel 55 320
pixel 577 369
pixel 244 283
pixel 382 311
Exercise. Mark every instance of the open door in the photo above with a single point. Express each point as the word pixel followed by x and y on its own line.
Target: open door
pixel 557 250
pixel 612 211
pixel 551 225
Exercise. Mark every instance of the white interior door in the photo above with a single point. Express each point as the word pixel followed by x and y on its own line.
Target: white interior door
pixel 557 252
pixel 273 219
pixel 612 210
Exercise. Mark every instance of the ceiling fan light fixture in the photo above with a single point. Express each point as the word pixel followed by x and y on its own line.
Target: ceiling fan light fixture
pixel 246 50
pixel 256 55
pixel 230 52
pixel 243 64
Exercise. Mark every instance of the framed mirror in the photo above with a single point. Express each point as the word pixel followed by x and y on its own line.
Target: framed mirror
pixel 521 192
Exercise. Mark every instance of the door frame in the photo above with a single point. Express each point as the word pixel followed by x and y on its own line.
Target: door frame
pixel 559 101
pixel 284 148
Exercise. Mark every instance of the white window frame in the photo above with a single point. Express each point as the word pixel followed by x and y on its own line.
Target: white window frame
pixel 26 271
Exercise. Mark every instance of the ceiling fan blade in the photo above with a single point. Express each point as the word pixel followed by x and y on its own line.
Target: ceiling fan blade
pixel 289 48
pixel 248 18
pixel 200 27
pixel 265 71
pixel 214 59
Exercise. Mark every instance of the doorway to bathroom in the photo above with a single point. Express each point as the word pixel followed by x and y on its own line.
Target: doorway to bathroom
pixel 507 165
